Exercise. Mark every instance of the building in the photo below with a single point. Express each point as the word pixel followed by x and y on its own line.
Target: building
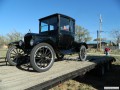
pixel 93 44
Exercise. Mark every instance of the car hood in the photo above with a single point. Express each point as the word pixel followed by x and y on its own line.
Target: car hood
pixel 34 34
pixel 36 37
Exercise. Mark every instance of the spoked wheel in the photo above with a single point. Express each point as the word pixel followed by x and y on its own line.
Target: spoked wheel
pixel 42 57
pixel 13 55
pixel 82 53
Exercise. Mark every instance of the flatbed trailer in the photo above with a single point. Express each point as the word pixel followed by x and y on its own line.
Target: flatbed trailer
pixel 22 77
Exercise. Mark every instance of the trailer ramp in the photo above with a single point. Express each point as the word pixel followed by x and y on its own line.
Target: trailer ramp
pixel 19 78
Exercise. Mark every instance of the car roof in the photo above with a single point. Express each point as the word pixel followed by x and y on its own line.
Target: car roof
pixel 56 14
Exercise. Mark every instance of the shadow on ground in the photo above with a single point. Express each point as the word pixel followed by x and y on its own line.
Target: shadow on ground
pixel 25 65
pixel 111 78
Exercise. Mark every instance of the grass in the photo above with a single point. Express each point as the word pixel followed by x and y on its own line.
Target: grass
pixel 73 85
pixel 115 52
pixel 102 51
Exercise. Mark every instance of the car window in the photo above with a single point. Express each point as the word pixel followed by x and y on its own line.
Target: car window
pixel 71 26
pixel 64 24
pixel 49 24
pixel 53 23
pixel 44 27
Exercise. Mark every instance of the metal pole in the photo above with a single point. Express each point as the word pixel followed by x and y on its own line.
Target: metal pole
pixel 97 39
pixel 100 30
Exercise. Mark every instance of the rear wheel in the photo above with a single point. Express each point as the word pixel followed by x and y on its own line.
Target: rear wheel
pixel 42 57
pixel 82 53
pixel 13 55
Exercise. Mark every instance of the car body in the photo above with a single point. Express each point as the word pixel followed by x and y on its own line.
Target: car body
pixel 56 35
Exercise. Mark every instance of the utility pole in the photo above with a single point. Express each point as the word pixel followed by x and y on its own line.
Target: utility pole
pixel 100 30
pixel 97 38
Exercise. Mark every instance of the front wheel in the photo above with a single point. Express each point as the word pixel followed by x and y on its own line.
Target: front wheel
pixel 13 55
pixel 82 53
pixel 42 57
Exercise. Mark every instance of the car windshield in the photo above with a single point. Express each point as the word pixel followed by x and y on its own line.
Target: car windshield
pixel 49 24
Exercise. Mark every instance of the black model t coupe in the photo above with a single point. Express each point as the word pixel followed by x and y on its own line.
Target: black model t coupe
pixel 55 38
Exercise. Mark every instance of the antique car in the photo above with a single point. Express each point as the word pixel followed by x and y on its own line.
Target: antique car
pixel 56 38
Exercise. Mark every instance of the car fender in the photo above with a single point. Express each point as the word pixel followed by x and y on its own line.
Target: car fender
pixel 78 45
pixel 46 40
pixel 83 43
pixel 13 44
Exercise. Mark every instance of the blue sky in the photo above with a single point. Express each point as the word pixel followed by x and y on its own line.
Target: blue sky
pixel 22 15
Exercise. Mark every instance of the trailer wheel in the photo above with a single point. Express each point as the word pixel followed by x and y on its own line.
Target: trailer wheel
pixel 82 53
pixel 13 55
pixel 42 57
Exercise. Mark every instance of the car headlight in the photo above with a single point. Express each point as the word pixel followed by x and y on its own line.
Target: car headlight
pixel 31 42
pixel 20 43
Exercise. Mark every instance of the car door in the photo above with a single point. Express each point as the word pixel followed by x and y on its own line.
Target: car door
pixel 66 33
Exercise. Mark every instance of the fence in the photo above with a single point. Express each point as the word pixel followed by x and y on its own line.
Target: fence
pixel 111 47
pixel 3 52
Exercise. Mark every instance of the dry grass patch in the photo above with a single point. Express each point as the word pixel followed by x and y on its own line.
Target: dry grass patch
pixel 3 52
pixel 73 85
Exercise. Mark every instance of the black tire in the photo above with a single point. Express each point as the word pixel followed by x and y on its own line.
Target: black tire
pixel 59 56
pixel 82 53
pixel 42 57
pixel 13 55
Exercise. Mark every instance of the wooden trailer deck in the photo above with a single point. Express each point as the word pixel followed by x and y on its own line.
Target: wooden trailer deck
pixel 19 78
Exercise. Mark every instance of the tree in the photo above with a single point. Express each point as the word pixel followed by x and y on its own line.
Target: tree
pixel 82 34
pixel 14 36
pixel 116 35
pixel 102 39
pixel 10 37
pixel 2 40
